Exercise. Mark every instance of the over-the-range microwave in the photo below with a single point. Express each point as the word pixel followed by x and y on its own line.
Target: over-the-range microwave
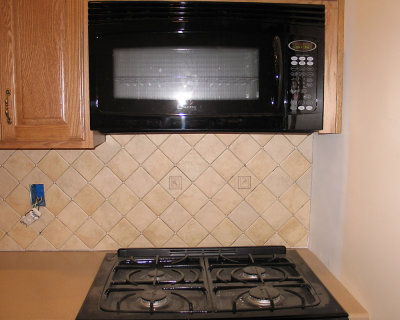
pixel 160 66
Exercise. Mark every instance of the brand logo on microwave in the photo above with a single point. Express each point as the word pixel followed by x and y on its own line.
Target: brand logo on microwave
pixel 187 107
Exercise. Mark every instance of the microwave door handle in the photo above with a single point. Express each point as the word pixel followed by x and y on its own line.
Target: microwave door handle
pixel 278 62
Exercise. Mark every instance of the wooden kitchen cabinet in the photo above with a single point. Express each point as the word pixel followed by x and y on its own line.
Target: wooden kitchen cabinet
pixel 43 59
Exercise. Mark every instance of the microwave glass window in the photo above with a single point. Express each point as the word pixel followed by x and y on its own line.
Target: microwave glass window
pixel 182 74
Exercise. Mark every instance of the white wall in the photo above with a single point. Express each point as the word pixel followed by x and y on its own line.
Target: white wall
pixel 355 219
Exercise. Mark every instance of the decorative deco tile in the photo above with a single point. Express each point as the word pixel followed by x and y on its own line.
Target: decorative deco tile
pixel 161 190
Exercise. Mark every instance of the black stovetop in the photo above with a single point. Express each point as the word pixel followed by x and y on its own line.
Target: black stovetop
pixel 208 283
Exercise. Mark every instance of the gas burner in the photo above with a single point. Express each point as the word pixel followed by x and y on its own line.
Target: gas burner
pixel 253 272
pixel 261 296
pixel 153 298
pixel 155 273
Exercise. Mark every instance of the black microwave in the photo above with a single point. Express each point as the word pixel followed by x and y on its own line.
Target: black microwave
pixel 160 66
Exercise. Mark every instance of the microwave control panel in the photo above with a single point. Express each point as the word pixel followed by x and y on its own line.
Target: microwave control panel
pixel 303 76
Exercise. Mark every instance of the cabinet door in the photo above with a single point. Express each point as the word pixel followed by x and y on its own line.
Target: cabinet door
pixel 42 56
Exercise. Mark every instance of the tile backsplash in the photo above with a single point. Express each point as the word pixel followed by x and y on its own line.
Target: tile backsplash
pixel 161 190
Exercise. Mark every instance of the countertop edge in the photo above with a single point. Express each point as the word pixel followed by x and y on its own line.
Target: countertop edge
pixel 341 294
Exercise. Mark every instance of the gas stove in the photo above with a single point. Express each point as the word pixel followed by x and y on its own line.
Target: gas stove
pixel 266 282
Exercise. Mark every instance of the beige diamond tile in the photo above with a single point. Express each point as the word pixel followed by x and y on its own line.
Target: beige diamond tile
pixel 140 147
pixel 88 165
pixel 9 244
pixel 295 139
pixel 158 165
pixel 175 148
pixel 278 182
pixel 71 182
pixel 36 176
pixel 106 216
pixel 260 199
pixel 140 182
pixel 210 147
pixel 226 199
pixel 158 138
pixel 295 165
pixel 192 165
pixel 70 155
pixel 303 215
pixel 209 241
pixel 261 164
pixel 192 138
pixel 226 232
pixel 158 233
pixel 243 241
pixel 141 216
pixel 107 150
pixel 175 216
pixel 141 242
pixel 35 155
pixel 8 217
pixel 106 182
pixel 90 233
pixel 243 216
pixel 74 244
pixel 227 138
pixel 175 242
pixel 19 165
pixel 259 232
pixel 292 232
pixel 209 216
pixel 303 243
pixel 193 199
pixel 41 244
pixel 19 200
pixel 294 198
pixel 304 182
pixel 175 182
pixel 244 147
pixel 2 233
pixel 5 154
pixel 7 184
pixel 45 218
pixel 107 243
pixel 89 199
pixel 123 199
pixel 72 216
pixel 56 199
pixel 124 233
pixel 53 165
pixel 262 138
pixel 210 182
pixel 277 215
pixel 57 233
pixel 276 240
pixel 227 164
pixel 192 233
pixel 158 199
pixel 22 235
pixel 123 165
pixel 122 139
pixel 306 147
pixel 279 148
pixel 250 178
